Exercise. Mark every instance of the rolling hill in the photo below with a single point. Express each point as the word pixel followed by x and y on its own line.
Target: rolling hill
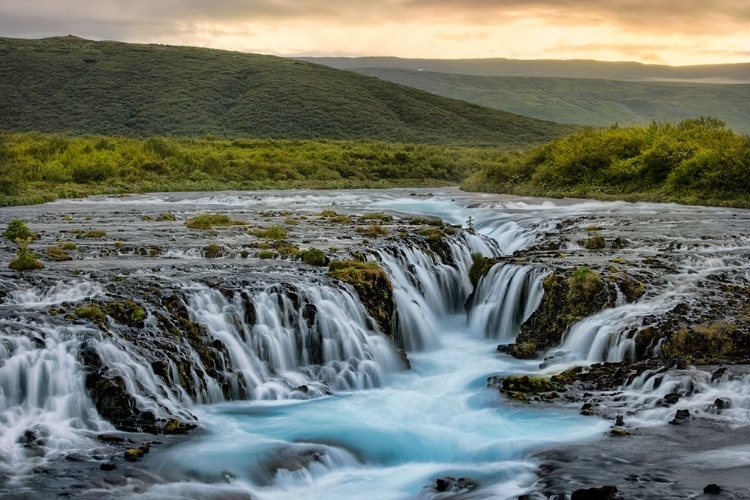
pixel 585 101
pixel 76 86
pixel 605 70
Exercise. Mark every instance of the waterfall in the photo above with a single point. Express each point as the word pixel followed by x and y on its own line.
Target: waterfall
pixel 698 391
pixel 44 405
pixel 425 290
pixel 504 298
pixel 605 335
pixel 280 347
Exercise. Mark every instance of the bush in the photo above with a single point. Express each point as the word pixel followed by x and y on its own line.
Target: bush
pixel 213 251
pixel 26 260
pixel 95 234
pixel 373 231
pixel 92 312
pixel 314 257
pixel 266 254
pixel 17 229
pixel 595 243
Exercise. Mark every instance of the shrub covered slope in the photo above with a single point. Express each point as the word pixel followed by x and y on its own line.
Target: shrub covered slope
pixel 697 161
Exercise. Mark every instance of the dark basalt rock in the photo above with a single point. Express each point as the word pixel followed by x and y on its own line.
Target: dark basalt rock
pixel 453 485
pixel 680 417
pixel 603 493
pixel 723 403
pixel 712 489
pixel 568 298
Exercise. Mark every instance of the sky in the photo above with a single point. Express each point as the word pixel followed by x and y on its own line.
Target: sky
pixel 677 32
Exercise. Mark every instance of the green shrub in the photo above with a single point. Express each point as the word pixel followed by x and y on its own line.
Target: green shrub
pixel 373 231
pixel 273 233
pixel 213 251
pixel 266 254
pixel 95 234
pixel 17 229
pixel 26 260
pixel 209 221
pixel 314 257
pixel 585 280
pixel 139 314
pixel 92 312
pixel 595 243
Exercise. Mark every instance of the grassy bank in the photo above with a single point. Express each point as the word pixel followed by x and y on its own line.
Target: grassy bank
pixel 36 168
pixel 697 162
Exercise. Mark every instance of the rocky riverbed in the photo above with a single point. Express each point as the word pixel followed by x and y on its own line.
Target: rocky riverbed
pixel 304 344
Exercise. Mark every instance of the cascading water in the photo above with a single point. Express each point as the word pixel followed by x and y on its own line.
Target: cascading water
pixel 44 406
pixel 504 299
pixel 726 397
pixel 280 342
pixel 280 349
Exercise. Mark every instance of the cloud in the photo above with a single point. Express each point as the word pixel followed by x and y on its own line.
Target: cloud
pixel 677 31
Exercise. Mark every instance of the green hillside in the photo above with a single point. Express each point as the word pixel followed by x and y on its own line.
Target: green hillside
pixel 551 68
pixel 585 101
pixel 697 161
pixel 75 86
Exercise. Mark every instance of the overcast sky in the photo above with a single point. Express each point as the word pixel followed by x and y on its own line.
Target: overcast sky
pixel 651 31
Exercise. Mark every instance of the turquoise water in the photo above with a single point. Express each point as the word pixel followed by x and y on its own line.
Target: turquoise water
pixel 439 419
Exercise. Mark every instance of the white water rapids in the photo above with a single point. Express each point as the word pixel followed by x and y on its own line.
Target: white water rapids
pixel 322 406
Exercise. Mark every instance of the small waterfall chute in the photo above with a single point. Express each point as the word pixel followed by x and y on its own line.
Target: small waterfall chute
pixel 504 298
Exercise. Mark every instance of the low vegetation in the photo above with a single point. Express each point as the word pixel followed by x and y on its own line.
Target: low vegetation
pixel 272 233
pixel 26 260
pixel 209 221
pixel 314 257
pixel 57 253
pixel 37 168
pixel 17 229
pixel 372 285
pixel 697 161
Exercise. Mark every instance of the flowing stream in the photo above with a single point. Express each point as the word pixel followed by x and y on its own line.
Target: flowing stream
pixel 313 400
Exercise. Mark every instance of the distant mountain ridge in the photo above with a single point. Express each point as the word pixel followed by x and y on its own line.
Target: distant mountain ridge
pixel 76 86
pixel 585 101
pixel 548 68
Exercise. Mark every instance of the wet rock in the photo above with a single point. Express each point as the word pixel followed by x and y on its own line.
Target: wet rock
pixel 76 457
pixel 603 493
pixel 619 421
pixel 619 432
pixel 568 297
pixel 723 403
pixel 718 373
pixel 453 485
pixel 680 417
pixel 174 426
pixel 111 438
pixel 107 466
pixel 373 287
pixel 712 489
pixel 133 454
pixel 533 496
pixel 669 399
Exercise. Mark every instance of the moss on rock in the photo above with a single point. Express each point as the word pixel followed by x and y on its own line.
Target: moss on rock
pixel 373 287
pixel 314 257
pixel 566 300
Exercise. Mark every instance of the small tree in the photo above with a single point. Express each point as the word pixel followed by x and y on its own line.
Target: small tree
pixel 470 224
pixel 25 259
